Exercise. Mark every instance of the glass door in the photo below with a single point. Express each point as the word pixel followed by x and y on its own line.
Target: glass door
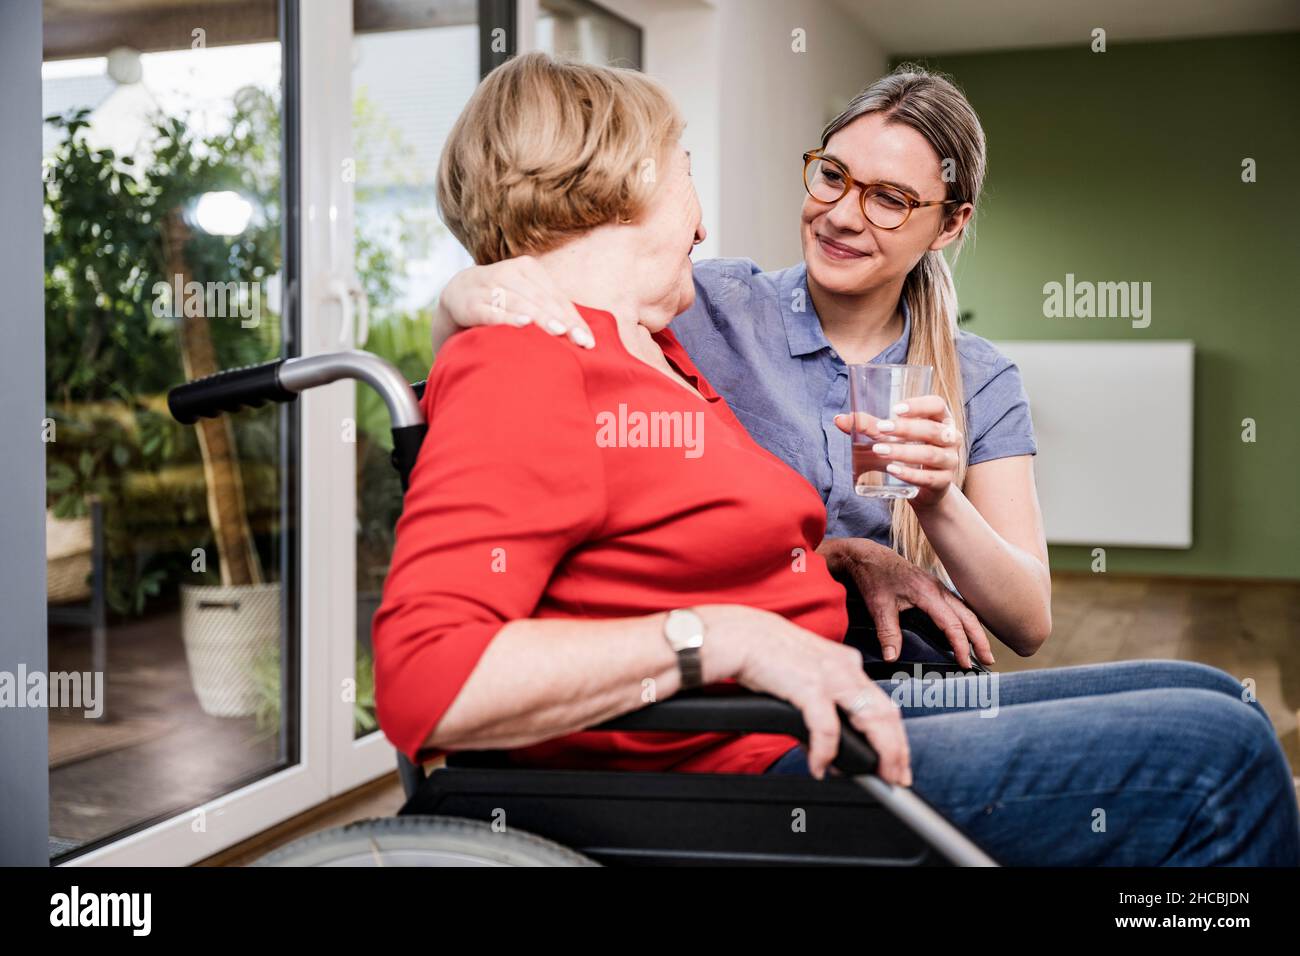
pixel 171 556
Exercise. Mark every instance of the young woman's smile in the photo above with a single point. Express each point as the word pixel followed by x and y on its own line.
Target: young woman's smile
pixel 839 251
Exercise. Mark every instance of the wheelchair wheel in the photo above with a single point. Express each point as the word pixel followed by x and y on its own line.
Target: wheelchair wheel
pixel 422 841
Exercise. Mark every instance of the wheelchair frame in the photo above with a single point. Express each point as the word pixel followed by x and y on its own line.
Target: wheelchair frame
pixel 634 817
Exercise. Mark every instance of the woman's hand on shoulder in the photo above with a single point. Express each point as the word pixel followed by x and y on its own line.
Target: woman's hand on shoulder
pixel 769 654
pixel 510 292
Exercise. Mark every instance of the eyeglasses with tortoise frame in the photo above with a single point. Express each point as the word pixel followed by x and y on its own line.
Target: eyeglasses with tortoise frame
pixel 884 206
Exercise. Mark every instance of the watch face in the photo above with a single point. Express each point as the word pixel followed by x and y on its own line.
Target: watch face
pixel 685 629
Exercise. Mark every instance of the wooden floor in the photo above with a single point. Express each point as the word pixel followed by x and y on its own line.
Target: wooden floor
pixel 379 798
pixel 1249 629
pixel 155 753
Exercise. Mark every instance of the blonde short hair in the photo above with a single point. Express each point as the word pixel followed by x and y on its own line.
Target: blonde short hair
pixel 546 149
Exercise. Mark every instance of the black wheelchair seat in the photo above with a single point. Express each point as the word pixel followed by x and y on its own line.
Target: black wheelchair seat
pixel 628 818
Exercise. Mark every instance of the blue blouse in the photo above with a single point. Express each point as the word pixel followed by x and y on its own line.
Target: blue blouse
pixel 756 337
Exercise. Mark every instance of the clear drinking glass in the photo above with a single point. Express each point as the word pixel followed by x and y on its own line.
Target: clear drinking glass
pixel 874 390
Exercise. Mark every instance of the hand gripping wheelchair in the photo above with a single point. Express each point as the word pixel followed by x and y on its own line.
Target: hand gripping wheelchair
pixel 478 810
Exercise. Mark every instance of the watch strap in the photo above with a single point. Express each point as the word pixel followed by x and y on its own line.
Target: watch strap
pixel 691 667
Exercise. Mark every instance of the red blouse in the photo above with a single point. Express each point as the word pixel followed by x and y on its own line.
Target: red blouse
pixel 583 483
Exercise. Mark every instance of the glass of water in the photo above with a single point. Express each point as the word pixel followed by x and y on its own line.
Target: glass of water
pixel 874 390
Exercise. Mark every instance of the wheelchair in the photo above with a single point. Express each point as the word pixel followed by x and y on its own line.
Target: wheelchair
pixel 477 810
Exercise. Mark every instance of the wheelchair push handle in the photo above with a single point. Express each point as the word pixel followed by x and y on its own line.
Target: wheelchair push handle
pixel 228 391
pixel 284 379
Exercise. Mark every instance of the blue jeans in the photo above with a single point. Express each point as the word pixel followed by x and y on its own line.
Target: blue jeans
pixel 1140 763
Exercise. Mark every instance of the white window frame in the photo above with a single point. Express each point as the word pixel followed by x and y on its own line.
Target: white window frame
pixel 330 493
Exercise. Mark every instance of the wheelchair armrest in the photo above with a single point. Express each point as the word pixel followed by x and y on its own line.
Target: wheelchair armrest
pixel 722 710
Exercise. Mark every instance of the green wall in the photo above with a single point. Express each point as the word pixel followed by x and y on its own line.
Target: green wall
pixel 1126 166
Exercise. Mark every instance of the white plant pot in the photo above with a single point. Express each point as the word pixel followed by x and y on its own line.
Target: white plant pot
pixel 225 630
pixel 69 544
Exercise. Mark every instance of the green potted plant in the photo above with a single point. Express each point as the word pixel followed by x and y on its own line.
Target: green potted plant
pixel 116 230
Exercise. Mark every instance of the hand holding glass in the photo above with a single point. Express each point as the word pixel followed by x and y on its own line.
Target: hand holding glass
pixel 874 390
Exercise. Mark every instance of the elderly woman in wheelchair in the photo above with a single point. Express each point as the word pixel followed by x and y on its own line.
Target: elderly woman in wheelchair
pixel 591 530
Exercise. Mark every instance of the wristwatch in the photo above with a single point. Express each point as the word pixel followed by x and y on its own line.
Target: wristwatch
pixel 684 630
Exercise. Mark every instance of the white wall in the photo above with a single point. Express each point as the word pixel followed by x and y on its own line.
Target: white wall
pixel 775 102
pixel 1086 465
pixel 753 105
pixel 682 44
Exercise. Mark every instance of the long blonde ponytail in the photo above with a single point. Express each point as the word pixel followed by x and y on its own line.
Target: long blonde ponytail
pixel 930 104
pixel 932 299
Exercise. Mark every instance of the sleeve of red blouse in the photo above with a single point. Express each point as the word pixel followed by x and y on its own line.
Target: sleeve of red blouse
pixel 508 481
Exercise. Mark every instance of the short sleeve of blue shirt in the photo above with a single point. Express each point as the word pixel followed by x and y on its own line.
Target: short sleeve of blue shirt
pixel 997 407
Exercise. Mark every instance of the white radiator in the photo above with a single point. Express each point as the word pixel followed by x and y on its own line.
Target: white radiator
pixel 1113 422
